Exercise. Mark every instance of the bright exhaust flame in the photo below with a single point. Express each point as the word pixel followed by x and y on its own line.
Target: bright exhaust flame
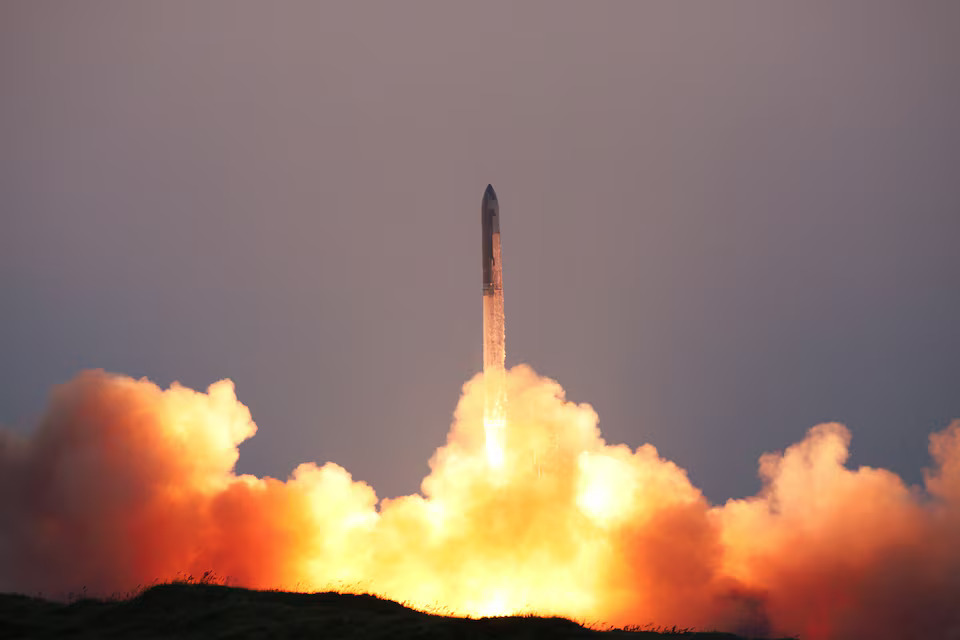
pixel 494 428
pixel 123 484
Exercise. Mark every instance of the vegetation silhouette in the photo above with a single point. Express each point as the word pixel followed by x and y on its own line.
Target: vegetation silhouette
pixel 204 607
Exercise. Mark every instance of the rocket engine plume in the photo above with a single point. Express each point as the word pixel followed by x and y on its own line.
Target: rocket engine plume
pixel 494 340
pixel 123 483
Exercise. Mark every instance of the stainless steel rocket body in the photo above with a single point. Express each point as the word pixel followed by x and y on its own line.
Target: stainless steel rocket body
pixel 490 226
pixel 493 329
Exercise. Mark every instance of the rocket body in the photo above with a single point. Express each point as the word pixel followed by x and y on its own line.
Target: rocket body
pixel 494 348
pixel 493 338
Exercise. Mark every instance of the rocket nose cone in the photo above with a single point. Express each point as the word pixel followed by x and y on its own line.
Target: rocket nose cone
pixel 490 193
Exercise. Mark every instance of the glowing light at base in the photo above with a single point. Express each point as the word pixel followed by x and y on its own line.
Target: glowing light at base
pixel 494 428
pixel 123 483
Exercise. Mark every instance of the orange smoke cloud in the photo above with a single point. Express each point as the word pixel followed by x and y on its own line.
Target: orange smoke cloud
pixel 124 484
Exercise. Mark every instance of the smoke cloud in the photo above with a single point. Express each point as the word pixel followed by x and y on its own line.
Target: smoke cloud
pixel 123 483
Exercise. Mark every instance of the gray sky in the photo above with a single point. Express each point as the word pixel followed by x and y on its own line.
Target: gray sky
pixel 722 223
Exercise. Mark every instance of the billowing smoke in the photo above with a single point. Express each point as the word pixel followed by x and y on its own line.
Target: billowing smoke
pixel 125 484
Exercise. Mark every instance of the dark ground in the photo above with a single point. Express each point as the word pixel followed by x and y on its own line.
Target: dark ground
pixel 182 610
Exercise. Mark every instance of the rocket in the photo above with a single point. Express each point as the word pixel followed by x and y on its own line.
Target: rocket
pixel 494 350
pixel 493 338
pixel 490 227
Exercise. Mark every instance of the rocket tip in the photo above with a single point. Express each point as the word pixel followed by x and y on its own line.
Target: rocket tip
pixel 490 193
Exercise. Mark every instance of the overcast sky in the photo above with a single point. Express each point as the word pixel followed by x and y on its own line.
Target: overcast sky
pixel 722 223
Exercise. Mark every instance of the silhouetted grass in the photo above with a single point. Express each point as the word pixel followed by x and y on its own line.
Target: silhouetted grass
pixel 203 607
